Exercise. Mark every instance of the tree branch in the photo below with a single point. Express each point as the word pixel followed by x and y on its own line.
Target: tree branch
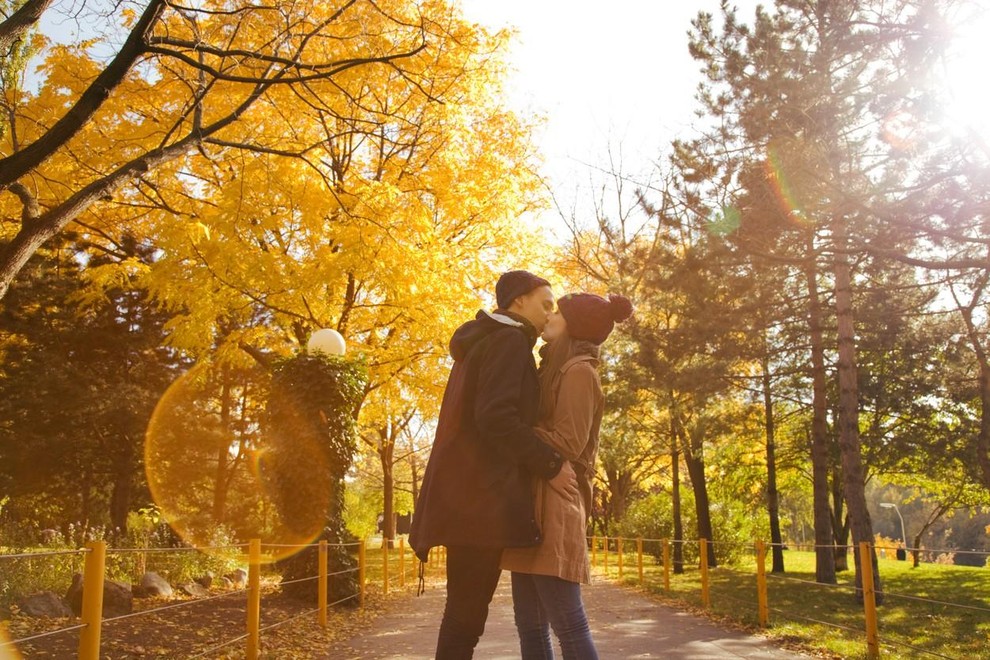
pixel 18 164
pixel 14 27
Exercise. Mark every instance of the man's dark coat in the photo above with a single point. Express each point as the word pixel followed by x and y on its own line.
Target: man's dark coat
pixel 476 489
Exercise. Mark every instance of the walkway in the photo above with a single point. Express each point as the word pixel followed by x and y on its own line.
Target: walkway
pixel 625 623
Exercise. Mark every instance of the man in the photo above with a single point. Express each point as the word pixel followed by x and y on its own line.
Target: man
pixel 476 496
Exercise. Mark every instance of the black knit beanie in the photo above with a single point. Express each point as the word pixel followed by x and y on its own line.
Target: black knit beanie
pixel 516 283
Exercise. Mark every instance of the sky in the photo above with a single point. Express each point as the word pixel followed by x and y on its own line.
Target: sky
pixel 617 77
pixel 606 76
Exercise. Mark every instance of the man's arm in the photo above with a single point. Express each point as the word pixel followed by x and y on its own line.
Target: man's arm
pixel 497 410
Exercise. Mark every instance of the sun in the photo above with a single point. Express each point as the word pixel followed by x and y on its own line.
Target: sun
pixel 966 69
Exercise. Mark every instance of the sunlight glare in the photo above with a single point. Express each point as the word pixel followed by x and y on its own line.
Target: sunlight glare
pixel 968 100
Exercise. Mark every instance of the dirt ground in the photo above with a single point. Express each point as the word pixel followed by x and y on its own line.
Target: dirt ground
pixel 199 628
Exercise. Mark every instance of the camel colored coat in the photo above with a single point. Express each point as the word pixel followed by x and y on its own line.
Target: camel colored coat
pixel 573 432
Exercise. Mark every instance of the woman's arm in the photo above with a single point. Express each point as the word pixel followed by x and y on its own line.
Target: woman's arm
pixel 574 411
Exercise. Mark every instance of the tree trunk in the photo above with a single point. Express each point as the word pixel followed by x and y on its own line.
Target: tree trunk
pixel 915 551
pixel 619 485
pixel 120 500
pixel 415 480
pixel 675 485
pixel 694 457
pixel 983 439
pixel 388 521
pixel 123 485
pixel 85 501
pixel 975 339
pixel 840 523
pixel 223 449
pixel 386 453
pixel 773 497
pixel 824 557
pixel 854 481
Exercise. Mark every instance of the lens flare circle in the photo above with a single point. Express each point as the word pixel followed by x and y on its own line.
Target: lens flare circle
pixel 219 477
pixel 7 652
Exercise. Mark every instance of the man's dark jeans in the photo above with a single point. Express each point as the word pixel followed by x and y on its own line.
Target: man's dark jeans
pixel 472 575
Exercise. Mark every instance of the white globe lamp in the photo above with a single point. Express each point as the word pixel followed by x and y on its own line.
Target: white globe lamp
pixel 326 341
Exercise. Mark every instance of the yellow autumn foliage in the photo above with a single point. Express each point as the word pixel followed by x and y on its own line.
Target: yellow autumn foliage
pixel 382 201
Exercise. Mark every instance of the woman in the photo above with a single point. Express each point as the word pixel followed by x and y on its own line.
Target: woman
pixel 546 579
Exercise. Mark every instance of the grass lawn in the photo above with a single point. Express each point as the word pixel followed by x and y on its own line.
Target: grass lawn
pixel 917 619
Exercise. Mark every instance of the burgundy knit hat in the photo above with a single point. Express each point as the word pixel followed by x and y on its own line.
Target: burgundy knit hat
pixel 516 283
pixel 592 317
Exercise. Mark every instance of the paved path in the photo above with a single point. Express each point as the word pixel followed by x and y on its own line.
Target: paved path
pixel 625 624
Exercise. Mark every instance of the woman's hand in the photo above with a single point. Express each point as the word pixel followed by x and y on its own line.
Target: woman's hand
pixel 565 482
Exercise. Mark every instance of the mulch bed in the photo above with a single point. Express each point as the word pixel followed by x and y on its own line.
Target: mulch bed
pixel 201 628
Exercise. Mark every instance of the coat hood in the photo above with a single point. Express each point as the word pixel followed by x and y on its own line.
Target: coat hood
pixel 484 324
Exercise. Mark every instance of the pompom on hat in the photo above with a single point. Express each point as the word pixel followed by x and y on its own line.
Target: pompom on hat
pixel 516 283
pixel 592 318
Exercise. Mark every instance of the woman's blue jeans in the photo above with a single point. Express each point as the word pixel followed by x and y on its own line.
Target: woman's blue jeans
pixel 542 602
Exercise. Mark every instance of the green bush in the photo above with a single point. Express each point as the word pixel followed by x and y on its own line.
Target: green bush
pixel 166 555
pixel 651 517
pixel 23 576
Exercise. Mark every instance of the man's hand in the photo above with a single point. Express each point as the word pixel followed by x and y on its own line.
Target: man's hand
pixel 565 483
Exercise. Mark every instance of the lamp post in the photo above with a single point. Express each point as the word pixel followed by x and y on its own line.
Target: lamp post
pixel 901 554
pixel 326 341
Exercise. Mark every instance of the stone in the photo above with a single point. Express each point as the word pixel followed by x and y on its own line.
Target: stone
pixel 117 597
pixel 155 585
pixel 194 589
pixel 44 603
pixel 205 580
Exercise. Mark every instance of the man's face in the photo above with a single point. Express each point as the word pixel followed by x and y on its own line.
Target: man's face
pixel 536 306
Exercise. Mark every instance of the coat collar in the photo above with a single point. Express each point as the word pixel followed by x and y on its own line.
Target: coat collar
pixel 503 318
pixel 514 320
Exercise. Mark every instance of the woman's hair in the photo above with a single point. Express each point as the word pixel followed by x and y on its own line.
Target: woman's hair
pixel 559 351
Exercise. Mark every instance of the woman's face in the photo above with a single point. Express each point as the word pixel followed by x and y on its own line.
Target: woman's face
pixel 554 327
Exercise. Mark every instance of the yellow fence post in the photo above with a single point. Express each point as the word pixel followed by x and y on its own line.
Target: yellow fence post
pixel 618 542
pixel 322 572
pixel 92 601
pixel 605 554
pixel 639 559
pixel 361 573
pixel 869 601
pixel 705 596
pixel 402 562
pixel 666 564
pixel 761 583
pixel 254 600
pixel 594 551
pixel 384 566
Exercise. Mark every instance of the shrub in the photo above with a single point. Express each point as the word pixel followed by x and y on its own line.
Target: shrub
pixel 734 528
pixel 167 555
